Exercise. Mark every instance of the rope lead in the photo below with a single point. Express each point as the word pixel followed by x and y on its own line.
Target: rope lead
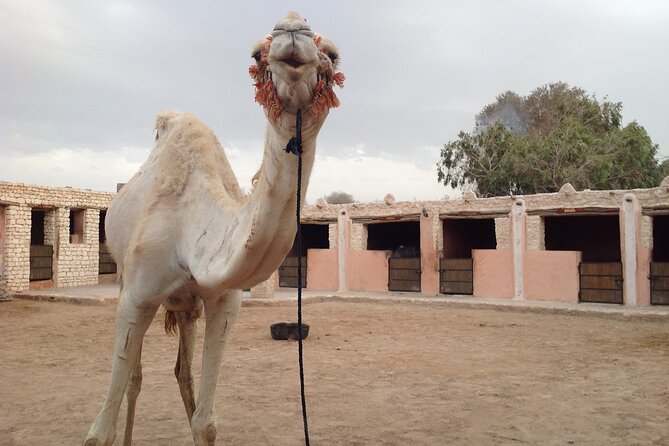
pixel 295 146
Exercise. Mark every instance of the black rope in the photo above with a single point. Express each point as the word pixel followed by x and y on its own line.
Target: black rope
pixel 295 146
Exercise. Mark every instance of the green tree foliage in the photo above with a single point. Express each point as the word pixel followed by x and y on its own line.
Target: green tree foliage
pixel 556 135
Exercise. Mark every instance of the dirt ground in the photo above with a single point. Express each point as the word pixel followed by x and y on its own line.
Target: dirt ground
pixel 392 374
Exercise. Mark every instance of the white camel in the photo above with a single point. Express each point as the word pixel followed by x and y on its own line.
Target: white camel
pixel 185 237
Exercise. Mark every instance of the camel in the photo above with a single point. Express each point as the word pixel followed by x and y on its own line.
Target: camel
pixel 185 237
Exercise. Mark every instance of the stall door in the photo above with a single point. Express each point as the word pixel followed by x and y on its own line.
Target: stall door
pixel 456 276
pixel 404 274
pixel 659 283
pixel 601 282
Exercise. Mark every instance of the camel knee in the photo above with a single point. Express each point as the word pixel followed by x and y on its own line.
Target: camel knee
pixel 135 384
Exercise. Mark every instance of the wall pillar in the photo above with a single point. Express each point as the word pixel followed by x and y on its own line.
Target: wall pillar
pixel 265 290
pixel 17 247
pixel 429 259
pixel 518 247
pixel 343 238
pixel 631 216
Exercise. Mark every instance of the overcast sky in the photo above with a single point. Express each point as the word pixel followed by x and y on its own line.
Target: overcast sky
pixel 81 81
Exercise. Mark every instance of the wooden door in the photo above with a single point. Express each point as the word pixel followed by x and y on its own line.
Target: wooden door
pixel 659 283
pixel 106 264
pixel 601 282
pixel 41 262
pixel 456 276
pixel 288 273
pixel 404 274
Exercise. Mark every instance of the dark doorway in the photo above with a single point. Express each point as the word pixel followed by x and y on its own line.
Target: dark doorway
pixel 37 227
pixel 461 237
pixel 597 237
pixel 659 267
pixel 102 234
pixel 402 239
pixel 106 264
pixel 41 255
pixel 314 236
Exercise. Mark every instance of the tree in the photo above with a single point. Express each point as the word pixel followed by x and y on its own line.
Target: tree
pixel 557 134
pixel 339 197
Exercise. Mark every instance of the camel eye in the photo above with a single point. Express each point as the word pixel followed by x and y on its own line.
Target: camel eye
pixel 333 56
pixel 256 56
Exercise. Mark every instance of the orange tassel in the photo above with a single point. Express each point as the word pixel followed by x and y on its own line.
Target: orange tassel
pixel 267 97
pixel 339 78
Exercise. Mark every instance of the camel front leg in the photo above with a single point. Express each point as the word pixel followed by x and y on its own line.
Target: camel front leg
pixel 187 323
pixel 131 324
pixel 134 387
pixel 220 315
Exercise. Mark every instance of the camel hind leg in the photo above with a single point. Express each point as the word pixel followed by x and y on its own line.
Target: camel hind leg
pixel 187 323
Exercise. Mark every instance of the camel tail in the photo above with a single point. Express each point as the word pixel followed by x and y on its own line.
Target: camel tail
pixel 171 326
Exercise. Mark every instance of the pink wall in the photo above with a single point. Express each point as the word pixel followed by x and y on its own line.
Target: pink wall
pixel 493 273
pixel 322 269
pixel 551 275
pixel 429 261
pixel 367 270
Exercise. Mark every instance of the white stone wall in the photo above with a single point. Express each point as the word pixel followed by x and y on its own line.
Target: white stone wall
pixel 78 262
pixel 437 232
pixel 536 240
pixel 503 232
pixel 75 264
pixel 358 236
pixel 647 232
pixel 17 247
pixel 332 235
pixel 50 227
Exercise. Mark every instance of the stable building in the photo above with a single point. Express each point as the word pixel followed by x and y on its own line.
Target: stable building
pixel 609 247
pixel 570 246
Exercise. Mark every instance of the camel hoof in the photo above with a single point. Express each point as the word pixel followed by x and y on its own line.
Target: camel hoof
pixel 206 435
pixel 211 435
pixel 95 441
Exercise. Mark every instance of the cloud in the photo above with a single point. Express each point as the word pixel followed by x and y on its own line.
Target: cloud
pixel 75 167
pixel 371 178
pixel 92 78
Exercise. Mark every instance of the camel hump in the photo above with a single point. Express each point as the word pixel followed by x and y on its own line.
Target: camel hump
pixel 190 142
pixel 166 120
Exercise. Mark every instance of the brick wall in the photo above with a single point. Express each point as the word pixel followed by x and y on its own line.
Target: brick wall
pixel 75 264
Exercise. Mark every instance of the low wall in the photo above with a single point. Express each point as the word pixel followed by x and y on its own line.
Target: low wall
pixel 493 273
pixel 367 270
pixel 551 275
pixel 322 269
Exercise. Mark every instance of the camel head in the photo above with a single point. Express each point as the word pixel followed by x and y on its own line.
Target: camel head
pixel 295 69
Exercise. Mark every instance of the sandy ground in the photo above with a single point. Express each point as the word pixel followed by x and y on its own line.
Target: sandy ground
pixel 394 374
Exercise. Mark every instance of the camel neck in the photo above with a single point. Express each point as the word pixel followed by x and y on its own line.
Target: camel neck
pixel 268 224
